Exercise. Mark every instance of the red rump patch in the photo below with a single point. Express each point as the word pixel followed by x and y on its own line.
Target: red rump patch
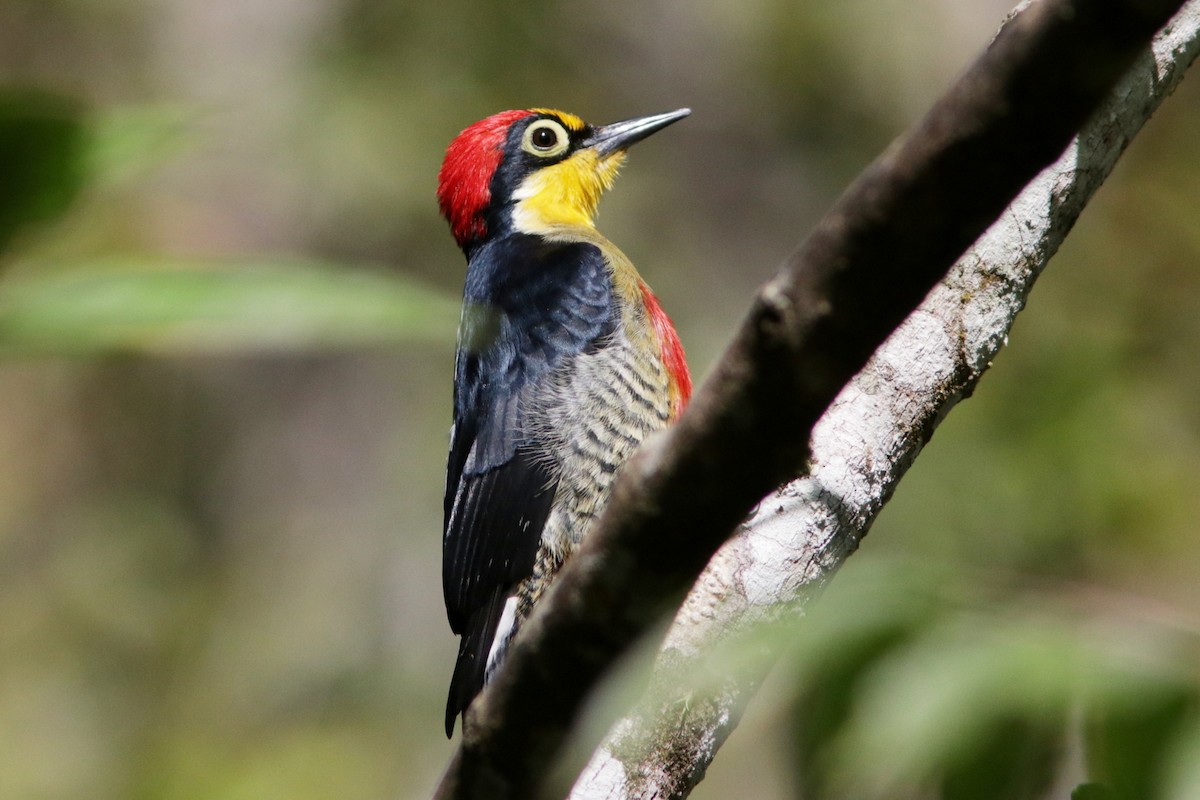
pixel 672 352
pixel 463 182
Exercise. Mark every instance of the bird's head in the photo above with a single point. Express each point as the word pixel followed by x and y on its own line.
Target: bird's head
pixel 532 170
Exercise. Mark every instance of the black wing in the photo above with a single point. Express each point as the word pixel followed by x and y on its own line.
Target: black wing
pixel 529 308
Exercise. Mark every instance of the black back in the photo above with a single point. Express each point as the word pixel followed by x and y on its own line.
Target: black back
pixel 530 307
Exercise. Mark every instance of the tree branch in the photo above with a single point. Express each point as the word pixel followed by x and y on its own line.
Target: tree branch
pixel 867 266
pixel 862 446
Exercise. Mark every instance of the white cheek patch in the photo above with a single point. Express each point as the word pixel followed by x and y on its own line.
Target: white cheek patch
pixel 530 187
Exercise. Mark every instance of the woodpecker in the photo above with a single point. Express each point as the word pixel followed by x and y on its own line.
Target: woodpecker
pixel 565 363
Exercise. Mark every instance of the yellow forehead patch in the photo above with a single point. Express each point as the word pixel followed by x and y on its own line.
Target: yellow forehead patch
pixel 572 122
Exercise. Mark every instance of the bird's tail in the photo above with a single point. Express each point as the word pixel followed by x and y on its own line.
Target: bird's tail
pixel 472 668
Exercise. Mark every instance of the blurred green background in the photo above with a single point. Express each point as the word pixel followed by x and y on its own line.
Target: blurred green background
pixel 227 309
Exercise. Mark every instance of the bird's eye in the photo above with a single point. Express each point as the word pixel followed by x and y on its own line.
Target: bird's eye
pixel 546 138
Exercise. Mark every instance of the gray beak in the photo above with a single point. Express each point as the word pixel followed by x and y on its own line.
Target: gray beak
pixel 620 135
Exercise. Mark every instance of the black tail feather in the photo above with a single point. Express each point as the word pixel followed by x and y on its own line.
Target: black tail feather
pixel 471 668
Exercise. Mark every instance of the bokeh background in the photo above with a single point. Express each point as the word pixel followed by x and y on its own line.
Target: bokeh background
pixel 227 312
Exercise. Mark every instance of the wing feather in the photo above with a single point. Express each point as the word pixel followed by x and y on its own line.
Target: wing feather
pixel 530 307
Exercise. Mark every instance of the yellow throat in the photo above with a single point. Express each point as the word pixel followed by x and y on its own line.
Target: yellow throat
pixel 565 193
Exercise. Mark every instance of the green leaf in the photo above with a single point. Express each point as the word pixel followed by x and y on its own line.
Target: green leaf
pixel 969 702
pixel 42 152
pixel 940 706
pixel 1129 742
pixel 827 704
pixel 129 141
pixel 1015 757
pixel 206 307
pixel 1182 771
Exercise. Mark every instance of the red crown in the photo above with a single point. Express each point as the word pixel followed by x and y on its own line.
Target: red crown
pixel 466 174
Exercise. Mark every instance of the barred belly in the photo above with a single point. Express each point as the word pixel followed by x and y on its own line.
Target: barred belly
pixel 603 407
